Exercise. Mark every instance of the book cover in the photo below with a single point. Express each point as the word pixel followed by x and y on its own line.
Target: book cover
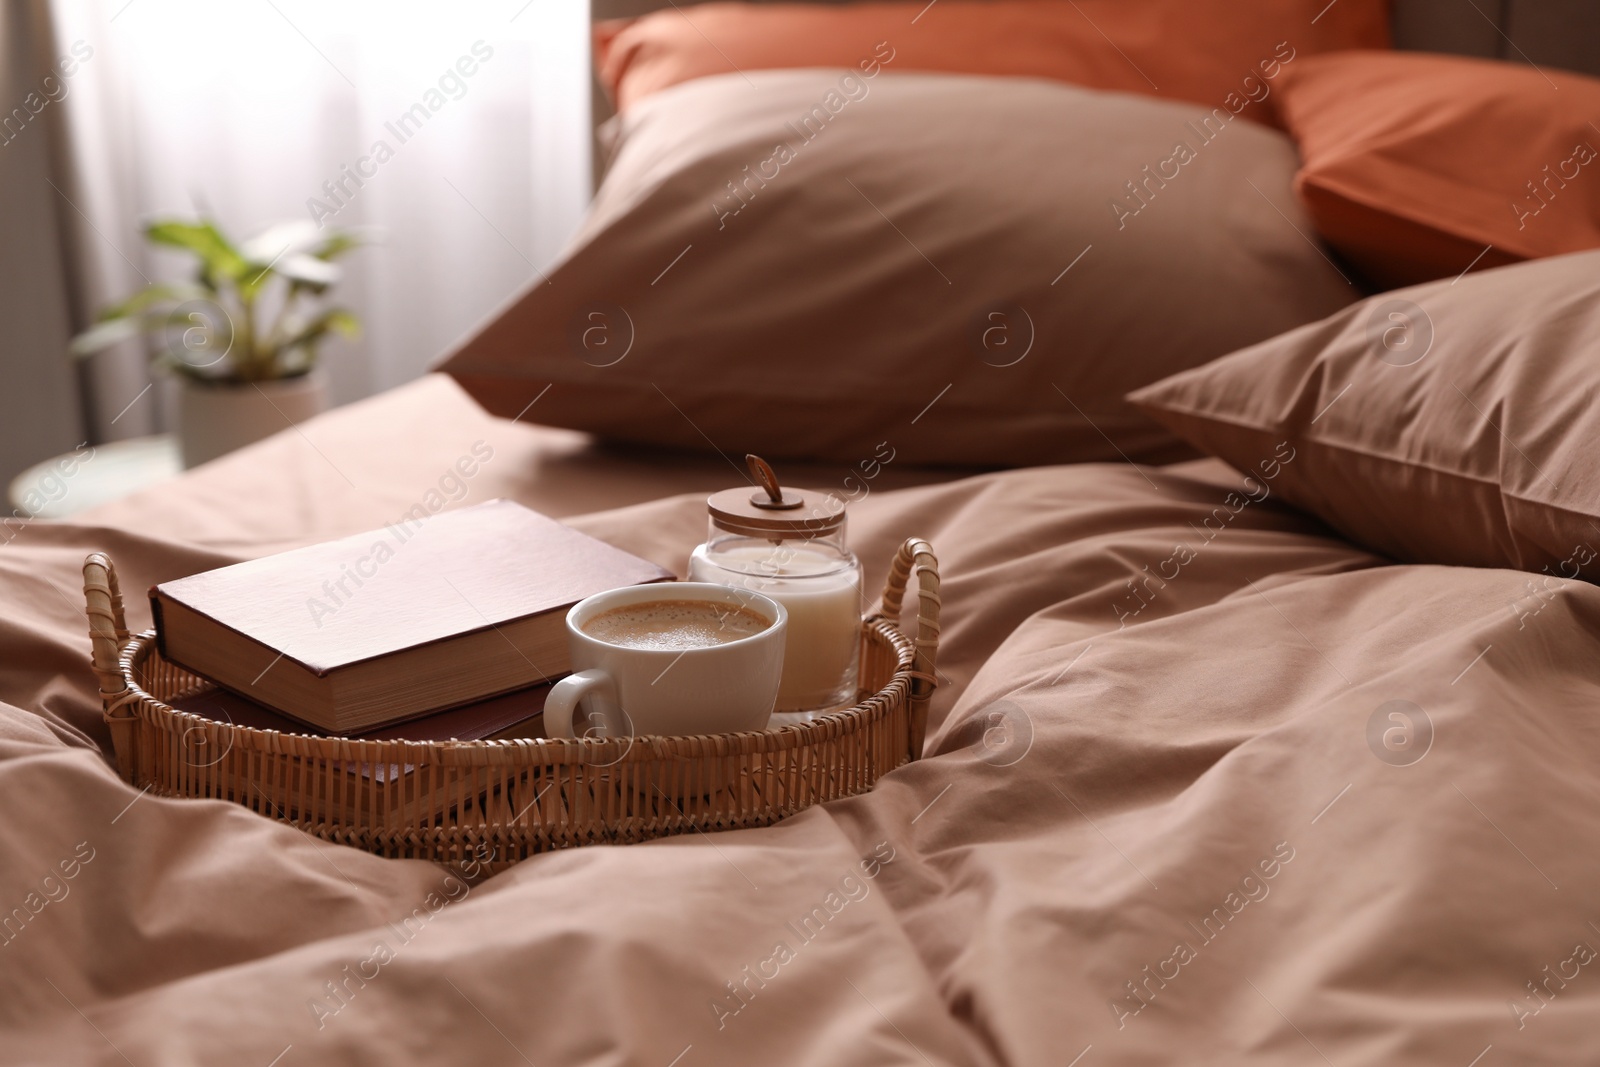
pixel 411 583
pixel 420 616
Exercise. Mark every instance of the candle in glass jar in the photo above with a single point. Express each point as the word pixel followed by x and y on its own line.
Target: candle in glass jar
pixel 819 587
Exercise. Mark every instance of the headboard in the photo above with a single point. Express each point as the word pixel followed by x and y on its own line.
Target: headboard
pixel 1553 33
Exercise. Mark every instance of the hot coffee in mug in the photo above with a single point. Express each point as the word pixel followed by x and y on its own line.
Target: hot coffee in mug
pixel 675 625
pixel 670 658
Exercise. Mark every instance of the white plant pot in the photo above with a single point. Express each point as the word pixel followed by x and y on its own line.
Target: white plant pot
pixel 213 420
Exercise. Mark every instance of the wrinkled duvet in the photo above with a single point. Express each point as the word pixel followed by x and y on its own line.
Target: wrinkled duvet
pixel 1203 784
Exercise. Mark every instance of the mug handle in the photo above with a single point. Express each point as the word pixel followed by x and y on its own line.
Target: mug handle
pixel 565 695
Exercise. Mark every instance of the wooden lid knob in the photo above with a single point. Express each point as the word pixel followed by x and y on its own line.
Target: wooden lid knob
pixel 775 510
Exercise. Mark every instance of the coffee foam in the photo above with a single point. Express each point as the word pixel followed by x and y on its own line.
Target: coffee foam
pixel 675 625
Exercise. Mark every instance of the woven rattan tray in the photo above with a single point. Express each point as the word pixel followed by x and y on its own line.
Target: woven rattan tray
pixel 484 805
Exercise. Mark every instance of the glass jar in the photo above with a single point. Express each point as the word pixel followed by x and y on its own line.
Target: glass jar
pixel 790 545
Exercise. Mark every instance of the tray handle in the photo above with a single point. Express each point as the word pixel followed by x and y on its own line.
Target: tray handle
pixel 916 557
pixel 108 634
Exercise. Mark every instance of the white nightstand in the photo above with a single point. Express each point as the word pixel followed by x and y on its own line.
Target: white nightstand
pixel 114 470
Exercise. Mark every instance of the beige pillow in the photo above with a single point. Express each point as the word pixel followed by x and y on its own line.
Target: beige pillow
pixel 813 263
pixel 1454 422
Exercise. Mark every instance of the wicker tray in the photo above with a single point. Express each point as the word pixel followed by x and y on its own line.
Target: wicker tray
pixel 484 805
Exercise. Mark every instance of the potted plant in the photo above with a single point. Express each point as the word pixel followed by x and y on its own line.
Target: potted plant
pixel 243 349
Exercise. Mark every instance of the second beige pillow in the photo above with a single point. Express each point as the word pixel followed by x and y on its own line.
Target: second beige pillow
pixel 1455 422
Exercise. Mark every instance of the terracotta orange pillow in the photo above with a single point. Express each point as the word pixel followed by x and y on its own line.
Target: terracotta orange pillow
pixel 1447 423
pixel 1416 165
pixel 1215 52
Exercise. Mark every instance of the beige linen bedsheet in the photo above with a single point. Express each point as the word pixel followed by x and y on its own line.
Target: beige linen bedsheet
pixel 1169 813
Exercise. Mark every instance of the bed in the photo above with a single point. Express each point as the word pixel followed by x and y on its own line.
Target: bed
pixel 1277 799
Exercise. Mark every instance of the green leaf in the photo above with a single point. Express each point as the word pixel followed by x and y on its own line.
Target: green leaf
pixel 150 295
pixel 218 258
pixel 286 238
pixel 346 323
pixel 337 244
pixel 334 320
pixel 103 335
pixel 296 251
pixel 315 274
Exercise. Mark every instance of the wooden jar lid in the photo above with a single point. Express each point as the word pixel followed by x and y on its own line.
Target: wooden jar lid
pixel 774 509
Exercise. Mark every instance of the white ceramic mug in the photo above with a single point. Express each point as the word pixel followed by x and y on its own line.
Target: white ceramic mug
pixel 632 691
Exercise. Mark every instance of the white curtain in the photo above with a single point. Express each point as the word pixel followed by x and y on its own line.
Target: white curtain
pixel 252 110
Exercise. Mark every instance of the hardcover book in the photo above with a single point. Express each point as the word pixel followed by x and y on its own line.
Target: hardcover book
pixel 420 616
